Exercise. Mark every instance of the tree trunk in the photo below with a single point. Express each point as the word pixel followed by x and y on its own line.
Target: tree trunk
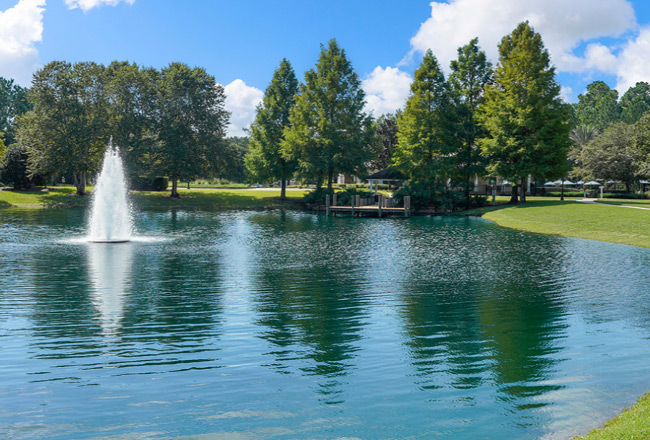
pixel 523 190
pixel 174 187
pixel 283 188
pixel 80 183
pixel 627 187
pixel 188 184
pixel 513 197
pixel 468 181
pixel 330 176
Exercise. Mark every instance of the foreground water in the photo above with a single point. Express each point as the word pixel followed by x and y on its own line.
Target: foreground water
pixel 276 325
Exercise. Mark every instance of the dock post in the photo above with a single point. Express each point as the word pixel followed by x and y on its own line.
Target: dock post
pixel 327 204
pixel 381 202
pixel 352 204
pixel 334 200
pixel 407 205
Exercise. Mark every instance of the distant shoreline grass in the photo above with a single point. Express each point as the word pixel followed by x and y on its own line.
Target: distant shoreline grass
pixel 206 199
pixel 601 222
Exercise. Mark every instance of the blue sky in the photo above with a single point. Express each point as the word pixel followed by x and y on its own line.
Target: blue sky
pixel 242 42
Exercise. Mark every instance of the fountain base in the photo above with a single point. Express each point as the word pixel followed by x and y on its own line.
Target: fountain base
pixel 109 241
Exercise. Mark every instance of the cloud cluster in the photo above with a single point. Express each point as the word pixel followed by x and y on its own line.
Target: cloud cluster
pixel 241 101
pixel 386 90
pixel 87 5
pixel 564 25
pixel 633 61
pixel 20 27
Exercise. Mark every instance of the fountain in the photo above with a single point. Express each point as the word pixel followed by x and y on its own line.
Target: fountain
pixel 110 220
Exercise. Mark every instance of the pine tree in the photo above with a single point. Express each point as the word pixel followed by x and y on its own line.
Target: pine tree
pixel 526 121
pixel 470 73
pixel 426 138
pixel 264 160
pixel 329 131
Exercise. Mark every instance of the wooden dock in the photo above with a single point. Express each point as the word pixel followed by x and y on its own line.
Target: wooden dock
pixel 361 207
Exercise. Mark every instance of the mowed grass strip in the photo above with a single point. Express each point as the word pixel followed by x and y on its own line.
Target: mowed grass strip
pixel 573 219
pixel 631 424
pixel 208 199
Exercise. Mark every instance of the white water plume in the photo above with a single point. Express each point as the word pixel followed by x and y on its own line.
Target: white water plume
pixel 110 220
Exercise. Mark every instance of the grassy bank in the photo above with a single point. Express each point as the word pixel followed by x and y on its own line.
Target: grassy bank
pixel 208 199
pixel 631 424
pixel 573 219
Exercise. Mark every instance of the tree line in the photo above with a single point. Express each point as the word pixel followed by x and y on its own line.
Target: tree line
pixel 169 122
pixel 611 137
pixel 506 120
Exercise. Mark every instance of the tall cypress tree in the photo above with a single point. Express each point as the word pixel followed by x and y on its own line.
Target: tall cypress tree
pixel 425 138
pixel 470 73
pixel 527 123
pixel 329 131
pixel 264 160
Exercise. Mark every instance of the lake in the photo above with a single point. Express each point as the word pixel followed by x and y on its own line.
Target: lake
pixel 290 325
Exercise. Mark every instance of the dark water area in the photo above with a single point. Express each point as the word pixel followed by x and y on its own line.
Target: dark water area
pixel 287 325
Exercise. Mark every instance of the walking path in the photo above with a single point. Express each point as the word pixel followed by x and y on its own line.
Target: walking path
pixel 596 202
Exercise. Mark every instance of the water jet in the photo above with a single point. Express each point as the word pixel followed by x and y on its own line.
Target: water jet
pixel 110 218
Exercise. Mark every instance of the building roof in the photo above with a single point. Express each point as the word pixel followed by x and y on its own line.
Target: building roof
pixel 387 174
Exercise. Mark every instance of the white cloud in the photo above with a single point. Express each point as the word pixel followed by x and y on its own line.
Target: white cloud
pixel 566 93
pixel 20 27
pixel 634 62
pixel 386 90
pixel 241 101
pixel 87 5
pixel 563 24
pixel 601 58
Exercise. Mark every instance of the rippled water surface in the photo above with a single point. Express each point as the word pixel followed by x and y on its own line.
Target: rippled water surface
pixel 273 325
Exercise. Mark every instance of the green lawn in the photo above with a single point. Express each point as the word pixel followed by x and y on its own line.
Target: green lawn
pixel 64 197
pixel 631 424
pixel 573 219
pixel 52 197
pixel 643 203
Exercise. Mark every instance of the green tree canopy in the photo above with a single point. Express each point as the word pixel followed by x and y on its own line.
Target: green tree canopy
pixel 526 121
pixel 190 124
pixel 264 161
pixel 236 149
pixel 67 129
pixel 131 96
pixel 13 103
pixel 329 131
pixel 598 107
pixel 426 135
pixel 613 155
pixel 635 102
pixel 470 73
pixel 385 142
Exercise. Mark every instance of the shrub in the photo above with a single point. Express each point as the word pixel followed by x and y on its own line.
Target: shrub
pixel 625 196
pixel 149 184
pixel 345 197
pixel 13 169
